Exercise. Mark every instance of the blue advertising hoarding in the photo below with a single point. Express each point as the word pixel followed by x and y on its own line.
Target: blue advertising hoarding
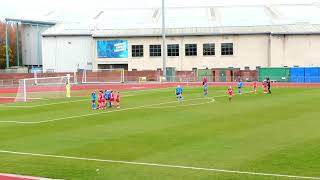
pixel 112 48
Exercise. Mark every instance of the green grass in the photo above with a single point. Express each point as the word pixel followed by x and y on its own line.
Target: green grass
pixel 276 133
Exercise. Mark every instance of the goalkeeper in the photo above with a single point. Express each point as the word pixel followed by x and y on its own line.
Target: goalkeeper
pixel 68 90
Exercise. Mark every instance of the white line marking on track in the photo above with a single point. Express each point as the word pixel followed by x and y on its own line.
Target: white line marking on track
pixel 159 165
pixel 105 112
pixel 24 177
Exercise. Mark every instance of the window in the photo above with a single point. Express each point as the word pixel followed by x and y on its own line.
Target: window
pixel 155 50
pixel 209 49
pixel 173 49
pixel 227 49
pixel 191 49
pixel 137 50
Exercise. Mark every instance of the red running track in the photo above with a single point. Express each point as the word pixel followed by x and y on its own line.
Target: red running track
pixel 17 177
pixel 148 86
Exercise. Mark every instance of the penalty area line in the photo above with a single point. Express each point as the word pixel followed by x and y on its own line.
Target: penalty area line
pixel 159 165
pixel 106 112
pixel 91 114
pixel 50 104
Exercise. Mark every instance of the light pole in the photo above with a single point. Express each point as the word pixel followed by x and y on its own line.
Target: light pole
pixel 164 54
pixel 7 46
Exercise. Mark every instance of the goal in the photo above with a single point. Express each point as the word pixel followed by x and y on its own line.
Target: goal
pixel 103 76
pixel 42 88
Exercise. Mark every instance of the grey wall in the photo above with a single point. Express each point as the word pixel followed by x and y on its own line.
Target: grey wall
pixel 32 44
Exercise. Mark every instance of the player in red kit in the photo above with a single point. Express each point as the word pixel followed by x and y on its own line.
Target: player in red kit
pixel 255 84
pixel 100 100
pixel 230 93
pixel 205 80
pixel 118 100
pixel 111 98
pixel 103 101
pixel 265 87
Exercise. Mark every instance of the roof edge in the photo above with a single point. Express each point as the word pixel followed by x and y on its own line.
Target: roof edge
pixel 64 35
pixel 25 21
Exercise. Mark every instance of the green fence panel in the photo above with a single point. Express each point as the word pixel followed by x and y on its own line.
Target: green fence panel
pixel 205 73
pixel 275 74
pixel 222 75
pixel 171 74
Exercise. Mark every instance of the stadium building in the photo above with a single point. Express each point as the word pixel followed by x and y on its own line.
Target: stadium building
pixel 197 38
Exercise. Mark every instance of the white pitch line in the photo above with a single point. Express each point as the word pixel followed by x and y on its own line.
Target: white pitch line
pixel 159 165
pixel 105 112
pixel 132 93
pixel 183 105
pixel 50 104
pixel 90 114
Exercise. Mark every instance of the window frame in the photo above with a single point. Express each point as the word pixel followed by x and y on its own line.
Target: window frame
pixel 210 50
pixel 155 50
pixel 137 49
pixel 191 50
pixel 226 49
pixel 176 50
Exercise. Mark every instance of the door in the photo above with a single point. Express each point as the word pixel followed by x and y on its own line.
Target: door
pixel 213 76
pixel 171 73
pixel 222 76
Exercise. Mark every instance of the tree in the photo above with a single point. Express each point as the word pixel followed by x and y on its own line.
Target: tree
pixel 12 44
pixel 3 56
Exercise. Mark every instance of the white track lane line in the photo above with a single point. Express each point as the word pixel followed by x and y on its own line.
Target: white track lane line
pixel 24 177
pixel 105 112
pixel 160 165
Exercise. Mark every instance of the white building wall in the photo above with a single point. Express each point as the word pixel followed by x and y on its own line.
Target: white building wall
pixel 67 53
pixel 249 50
pixel 295 50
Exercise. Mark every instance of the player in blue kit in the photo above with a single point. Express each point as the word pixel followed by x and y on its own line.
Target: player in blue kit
pixel 93 100
pixel 205 89
pixel 106 96
pixel 179 92
pixel 240 86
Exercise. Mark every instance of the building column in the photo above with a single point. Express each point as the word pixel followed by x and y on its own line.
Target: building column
pixel 269 51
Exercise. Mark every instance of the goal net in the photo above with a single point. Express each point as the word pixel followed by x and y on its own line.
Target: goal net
pixel 103 76
pixel 42 88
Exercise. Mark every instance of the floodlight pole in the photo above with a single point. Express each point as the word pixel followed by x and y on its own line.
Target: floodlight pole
pixel 7 46
pixel 18 47
pixel 164 54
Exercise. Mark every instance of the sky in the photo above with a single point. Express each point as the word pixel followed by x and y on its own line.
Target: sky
pixel 33 8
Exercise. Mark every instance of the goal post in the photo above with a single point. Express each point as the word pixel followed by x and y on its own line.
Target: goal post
pixel 103 76
pixel 42 88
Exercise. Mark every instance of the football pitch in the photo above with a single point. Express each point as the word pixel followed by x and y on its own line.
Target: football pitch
pixel 152 136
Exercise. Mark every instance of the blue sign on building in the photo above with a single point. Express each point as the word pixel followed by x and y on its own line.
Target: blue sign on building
pixel 112 48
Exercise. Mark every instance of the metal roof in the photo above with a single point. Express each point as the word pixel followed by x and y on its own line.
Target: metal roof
pixel 199 31
pixel 276 19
